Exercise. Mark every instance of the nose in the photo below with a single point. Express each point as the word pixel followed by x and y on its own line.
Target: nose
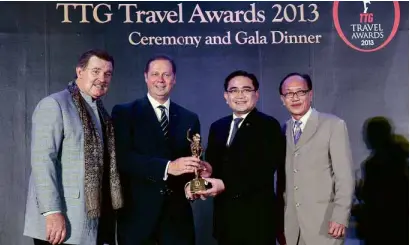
pixel 161 78
pixel 241 94
pixel 295 97
pixel 101 77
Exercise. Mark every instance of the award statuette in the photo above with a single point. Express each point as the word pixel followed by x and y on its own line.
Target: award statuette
pixel 197 184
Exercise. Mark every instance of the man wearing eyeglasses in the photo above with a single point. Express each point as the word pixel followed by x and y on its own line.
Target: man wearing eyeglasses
pixel 245 149
pixel 319 176
pixel 74 185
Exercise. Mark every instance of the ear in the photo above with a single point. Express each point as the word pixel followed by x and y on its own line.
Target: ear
pixel 226 96
pixel 79 72
pixel 146 77
pixel 311 96
pixel 257 94
pixel 174 80
pixel 282 98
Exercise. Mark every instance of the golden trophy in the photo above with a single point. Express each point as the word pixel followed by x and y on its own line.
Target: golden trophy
pixel 197 184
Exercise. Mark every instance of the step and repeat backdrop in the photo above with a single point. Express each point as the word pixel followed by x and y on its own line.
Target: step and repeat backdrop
pixel 355 52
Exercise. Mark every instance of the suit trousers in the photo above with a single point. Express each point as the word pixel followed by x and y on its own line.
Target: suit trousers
pixel 169 230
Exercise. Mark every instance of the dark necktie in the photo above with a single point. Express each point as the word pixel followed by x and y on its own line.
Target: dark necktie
pixel 236 122
pixel 164 121
pixel 297 132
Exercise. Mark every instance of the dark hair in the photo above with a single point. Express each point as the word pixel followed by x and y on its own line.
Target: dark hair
pixel 161 57
pixel 85 57
pixel 241 73
pixel 305 77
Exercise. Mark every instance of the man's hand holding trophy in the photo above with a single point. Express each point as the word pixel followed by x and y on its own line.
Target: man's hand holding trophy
pixel 198 184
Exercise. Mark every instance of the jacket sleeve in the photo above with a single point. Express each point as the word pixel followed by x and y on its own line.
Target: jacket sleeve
pixel 341 158
pixel 46 141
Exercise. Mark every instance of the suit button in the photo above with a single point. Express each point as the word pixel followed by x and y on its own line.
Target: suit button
pixel 297 205
pixel 295 170
pixel 296 154
pixel 295 188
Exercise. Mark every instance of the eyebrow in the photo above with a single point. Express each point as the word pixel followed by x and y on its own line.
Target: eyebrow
pixel 296 89
pixel 241 87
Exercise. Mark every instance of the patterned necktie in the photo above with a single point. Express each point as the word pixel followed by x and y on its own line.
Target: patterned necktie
pixel 236 122
pixel 164 121
pixel 297 131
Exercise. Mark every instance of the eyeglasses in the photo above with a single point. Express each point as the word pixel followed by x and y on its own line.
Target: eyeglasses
pixel 299 93
pixel 96 72
pixel 246 91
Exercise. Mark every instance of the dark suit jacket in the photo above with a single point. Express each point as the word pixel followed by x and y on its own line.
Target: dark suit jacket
pixel 246 211
pixel 143 154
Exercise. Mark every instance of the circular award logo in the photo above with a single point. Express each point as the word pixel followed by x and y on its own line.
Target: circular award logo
pixel 366 26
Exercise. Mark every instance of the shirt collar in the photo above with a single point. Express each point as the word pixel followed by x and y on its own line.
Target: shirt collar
pixel 155 103
pixel 90 100
pixel 242 116
pixel 304 118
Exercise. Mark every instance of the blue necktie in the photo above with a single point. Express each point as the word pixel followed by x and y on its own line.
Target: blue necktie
pixel 297 131
pixel 236 122
pixel 164 121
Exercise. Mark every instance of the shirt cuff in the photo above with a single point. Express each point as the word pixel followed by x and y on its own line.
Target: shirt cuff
pixel 51 212
pixel 186 185
pixel 166 171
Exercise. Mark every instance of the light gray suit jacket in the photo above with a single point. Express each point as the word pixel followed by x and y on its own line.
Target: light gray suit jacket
pixel 57 178
pixel 319 180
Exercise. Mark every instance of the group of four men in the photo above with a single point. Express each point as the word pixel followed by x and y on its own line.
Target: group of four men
pixel 77 195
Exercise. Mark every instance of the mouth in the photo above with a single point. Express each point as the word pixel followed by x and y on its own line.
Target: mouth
pixel 296 105
pixel 240 102
pixel 160 87
pixel 100 86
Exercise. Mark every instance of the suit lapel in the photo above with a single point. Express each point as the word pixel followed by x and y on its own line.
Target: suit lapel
pixel 309 130
pixel 245 126
pixel 173 120
pixel 223 131
pixel 151 120
pixel 289 133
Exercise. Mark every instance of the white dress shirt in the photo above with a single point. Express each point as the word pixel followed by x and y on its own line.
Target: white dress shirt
pixel 232 123
pixel 155 105
pixel 303 119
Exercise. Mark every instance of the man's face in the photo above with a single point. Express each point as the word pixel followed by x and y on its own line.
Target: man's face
pixel 241 95
pixel 95 78
pixel 296 96
pixel 160 79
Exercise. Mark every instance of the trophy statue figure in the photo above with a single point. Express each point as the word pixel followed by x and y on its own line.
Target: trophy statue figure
pixel 197 184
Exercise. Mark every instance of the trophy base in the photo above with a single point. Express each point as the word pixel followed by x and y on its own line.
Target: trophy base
pixel 197 184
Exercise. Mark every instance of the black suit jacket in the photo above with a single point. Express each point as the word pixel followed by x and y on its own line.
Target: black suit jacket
pixel 142 154
pixel 246 212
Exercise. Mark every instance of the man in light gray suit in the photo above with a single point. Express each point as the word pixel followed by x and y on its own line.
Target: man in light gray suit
pixel 74 185
pixel 319 176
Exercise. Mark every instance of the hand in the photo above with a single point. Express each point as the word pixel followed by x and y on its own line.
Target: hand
pixel 218 186
pixel 206 170
pixel 189 194
pixel 55 228
pixel 336 230
pixel 183 165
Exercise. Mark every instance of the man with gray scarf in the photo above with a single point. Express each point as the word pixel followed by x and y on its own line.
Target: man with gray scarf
pixel 74 185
